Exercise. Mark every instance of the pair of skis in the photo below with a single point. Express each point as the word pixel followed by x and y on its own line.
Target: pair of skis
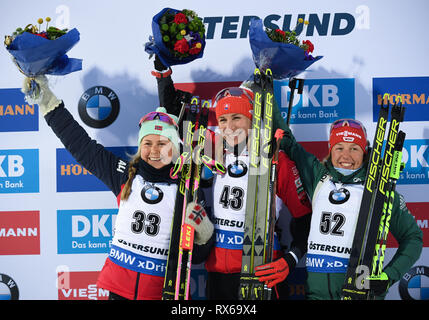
pixel 187 169
pixel 258 222
pixel 369 243
pixel 258 239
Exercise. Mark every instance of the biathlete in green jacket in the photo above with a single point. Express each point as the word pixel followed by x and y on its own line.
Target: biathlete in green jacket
pixel 341 176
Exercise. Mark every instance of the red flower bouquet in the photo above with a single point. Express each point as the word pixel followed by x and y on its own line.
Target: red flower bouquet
pixel 280 51
pixel 178 36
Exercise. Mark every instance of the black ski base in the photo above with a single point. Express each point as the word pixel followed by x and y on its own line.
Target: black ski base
pixel 252 289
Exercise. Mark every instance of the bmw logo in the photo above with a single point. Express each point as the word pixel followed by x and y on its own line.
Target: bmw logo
pixel 98 107
pixel 8 288
pixel 414 285
pixel 151 194
pixel 237 169
pixel 339 196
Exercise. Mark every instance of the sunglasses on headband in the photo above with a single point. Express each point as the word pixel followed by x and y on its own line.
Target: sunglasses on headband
pixel 347 122
pixel 233 92
pixel 161 116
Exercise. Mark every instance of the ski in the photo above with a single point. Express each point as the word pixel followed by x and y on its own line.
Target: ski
pixel 257 202
pixel 180 171
pixel 191 195
pixel 383 230
pixel 376 187
pixel 187 169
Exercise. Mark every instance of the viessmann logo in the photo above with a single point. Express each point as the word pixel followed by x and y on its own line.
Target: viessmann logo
pixel 79 285
pixel 19 232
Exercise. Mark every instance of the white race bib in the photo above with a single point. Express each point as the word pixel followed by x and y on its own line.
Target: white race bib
pixel 143 226
pixel 333 224
pixel 229 202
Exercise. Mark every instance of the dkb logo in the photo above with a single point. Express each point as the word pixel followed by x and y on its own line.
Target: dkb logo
pixel 85 231
pixel 19 171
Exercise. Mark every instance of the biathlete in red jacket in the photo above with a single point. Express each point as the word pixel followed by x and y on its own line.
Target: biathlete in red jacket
pixel 234 108
pixel 146 196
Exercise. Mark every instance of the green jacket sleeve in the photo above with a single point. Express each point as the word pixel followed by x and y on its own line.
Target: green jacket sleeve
pixel 309 167
pixel 409 237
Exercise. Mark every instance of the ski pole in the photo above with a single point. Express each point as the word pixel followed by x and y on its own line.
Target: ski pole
pixel 294 84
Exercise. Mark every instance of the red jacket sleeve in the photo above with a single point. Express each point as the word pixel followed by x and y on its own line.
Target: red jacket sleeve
pixel 290 189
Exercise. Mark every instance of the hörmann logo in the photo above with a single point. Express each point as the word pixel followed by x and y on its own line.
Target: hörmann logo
pixel 73 177
pixel 322 24
pixel 412 91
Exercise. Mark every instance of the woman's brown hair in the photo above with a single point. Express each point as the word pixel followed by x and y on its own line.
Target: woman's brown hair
pixel 132 170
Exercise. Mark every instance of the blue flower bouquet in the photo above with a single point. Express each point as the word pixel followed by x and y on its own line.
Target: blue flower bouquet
pixel 38 53
pixel 279 51
pixel 178 37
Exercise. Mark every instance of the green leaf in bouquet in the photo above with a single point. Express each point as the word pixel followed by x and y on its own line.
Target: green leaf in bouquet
pixel 163 20
pixel 164 27
pixel 173 29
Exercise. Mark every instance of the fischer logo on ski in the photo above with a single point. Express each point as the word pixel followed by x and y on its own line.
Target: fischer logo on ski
pixel 369 243
pixel 261 191
pixel 257 201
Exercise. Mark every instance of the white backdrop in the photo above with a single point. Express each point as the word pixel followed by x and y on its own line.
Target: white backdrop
pixel 47 223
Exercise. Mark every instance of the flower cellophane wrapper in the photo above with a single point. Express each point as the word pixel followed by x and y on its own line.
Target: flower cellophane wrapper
pixel 284 59
pixel 36 55
pixel 157 46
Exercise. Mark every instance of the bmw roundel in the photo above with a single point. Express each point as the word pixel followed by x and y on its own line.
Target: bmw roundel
pixel 8 288
pixel 98 107
pixel 151 194
pixel 237 169
pixel 339 196
pixel 414 285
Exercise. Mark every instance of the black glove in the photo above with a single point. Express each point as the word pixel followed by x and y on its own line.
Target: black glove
pixel 379 285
